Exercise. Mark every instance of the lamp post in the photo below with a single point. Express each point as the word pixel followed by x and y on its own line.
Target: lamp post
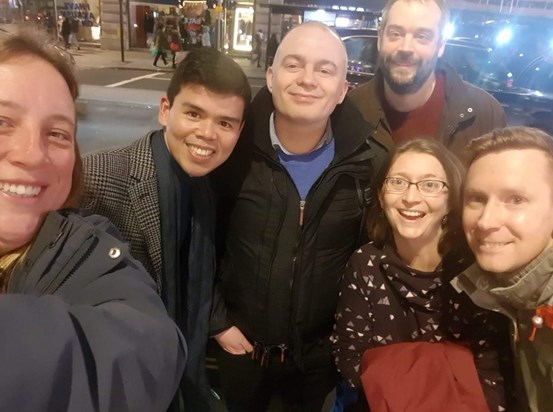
pixel 121 31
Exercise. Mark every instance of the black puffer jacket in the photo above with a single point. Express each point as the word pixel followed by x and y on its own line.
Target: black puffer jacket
pixel 83 328
pixel 283 258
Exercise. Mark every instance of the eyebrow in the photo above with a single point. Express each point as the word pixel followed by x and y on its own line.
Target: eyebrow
pixel 423 177
pixel 196 108
pixel 302 59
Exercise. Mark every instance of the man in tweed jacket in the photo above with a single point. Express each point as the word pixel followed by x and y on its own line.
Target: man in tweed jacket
pixel 157 193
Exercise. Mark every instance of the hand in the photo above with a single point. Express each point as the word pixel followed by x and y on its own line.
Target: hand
pixel 233 341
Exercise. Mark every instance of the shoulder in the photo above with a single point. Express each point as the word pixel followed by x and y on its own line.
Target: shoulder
pixel 364 92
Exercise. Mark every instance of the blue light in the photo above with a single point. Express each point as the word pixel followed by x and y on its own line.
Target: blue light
pixel 504 36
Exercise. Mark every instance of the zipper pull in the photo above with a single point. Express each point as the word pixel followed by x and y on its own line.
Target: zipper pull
pixel 302 207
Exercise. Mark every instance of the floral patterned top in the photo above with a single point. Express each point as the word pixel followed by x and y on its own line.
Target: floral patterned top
pixel 384 301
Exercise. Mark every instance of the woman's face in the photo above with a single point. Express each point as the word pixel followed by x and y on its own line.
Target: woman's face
pixel 415 218
pixel 37 147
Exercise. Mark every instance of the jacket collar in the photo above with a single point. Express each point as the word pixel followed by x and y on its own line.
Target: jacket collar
pixel 349 128
pixel 532 287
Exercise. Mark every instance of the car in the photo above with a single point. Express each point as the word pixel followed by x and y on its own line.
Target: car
pixel 526 94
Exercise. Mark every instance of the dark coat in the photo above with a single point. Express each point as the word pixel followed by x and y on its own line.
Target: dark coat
pixel 279 278
pixel 83 328
pixel 468 112
pixel 122 184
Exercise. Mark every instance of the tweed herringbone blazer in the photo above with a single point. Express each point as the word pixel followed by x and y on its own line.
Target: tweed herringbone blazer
pixel 121 184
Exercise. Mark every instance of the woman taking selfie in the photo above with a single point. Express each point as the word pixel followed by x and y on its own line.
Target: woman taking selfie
pixel 82 326
pixel 401 332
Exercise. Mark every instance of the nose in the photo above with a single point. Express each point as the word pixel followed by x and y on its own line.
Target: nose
pixel 27 148
pixel 412 194
pixel 490 218
pixel 406 44
pixel 206 129
pixel 307 77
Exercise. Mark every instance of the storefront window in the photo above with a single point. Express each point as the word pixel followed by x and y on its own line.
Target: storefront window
pixel 243 29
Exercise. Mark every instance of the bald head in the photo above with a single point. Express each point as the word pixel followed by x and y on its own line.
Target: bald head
pixel 333 43
pixel 308 75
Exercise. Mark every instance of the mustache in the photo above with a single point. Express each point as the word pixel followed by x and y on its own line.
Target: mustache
pixel 402 58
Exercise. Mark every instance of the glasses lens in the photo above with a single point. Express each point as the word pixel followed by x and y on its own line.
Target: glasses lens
pixel 430 187
pixel 395 184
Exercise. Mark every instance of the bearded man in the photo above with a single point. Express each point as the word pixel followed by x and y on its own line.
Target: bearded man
pixel 416 94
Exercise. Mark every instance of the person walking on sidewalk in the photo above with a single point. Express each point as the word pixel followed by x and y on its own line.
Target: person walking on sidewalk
pixel 74 35
pixel 161 44
pixel 66 31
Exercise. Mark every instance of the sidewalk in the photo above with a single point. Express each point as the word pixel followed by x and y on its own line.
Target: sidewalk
pixel 91 56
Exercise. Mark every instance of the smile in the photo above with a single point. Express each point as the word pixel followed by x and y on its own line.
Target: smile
pixel 20 190
pixel 199 151
pixel 410 214
pixel 491 245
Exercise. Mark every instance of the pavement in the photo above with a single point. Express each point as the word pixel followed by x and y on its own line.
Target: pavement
pixel 92 56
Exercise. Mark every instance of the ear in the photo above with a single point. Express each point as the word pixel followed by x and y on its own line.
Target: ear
pixel 269 78
pixel 441 46
pixel 343 92
pixel 164 110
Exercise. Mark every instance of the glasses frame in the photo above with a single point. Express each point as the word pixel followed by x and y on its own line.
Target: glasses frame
pixel 409 183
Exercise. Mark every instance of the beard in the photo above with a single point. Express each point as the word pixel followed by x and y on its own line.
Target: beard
pixel 403 83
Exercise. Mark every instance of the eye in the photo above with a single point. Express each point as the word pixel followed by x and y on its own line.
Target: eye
pixel 5 123
pixel 423 37
pixel 432 184
pixel 475 199
pixel 516 200
pixel 326 70
pixel 225 125
pixel 60 137
pixel 396 182
pixel 193 115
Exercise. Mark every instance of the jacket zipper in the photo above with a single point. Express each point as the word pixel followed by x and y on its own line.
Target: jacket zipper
pixel 302 208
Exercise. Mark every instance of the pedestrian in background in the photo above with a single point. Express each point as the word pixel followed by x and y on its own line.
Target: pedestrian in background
pixel 66 31
pixel 83 328
pixel 74 36
pixel 175 45
pixel 161 44
pixel 413 92
pixel 272 46
pixel 292 201
pixel 206 37
pixel 157 192
pixel 257 44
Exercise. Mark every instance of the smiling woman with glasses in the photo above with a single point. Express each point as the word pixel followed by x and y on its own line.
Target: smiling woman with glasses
pixel 398 319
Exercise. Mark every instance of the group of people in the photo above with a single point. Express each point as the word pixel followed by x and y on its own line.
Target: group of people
pixel 164 40
pixel 393 242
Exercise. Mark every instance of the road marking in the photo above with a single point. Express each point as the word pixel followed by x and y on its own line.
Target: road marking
pixel 134 79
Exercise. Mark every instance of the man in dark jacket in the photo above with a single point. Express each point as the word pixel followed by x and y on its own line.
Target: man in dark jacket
pixel 157 193
pixel 415 94
pixel 292 201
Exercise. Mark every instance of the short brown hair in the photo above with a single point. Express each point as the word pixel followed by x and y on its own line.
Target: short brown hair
pixel 509 138
pixel 215 71
pixel 32 42
pixel 379 229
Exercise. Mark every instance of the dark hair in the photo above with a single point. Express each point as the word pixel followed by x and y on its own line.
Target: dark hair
pixel 32 42
pixel 378 227
pixel 509 138
pixel 442 5
pixel 215 71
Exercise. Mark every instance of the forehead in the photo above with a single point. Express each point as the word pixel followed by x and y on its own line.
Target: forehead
pixel 205 99
pixel 528 168
pixel 35 84
pixel 417 164
pixel 313 43
pixel 414 14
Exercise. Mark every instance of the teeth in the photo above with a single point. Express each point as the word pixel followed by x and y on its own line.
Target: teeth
pixel 411 213
pixel 20 190
pixel 493 244
pixel 201 152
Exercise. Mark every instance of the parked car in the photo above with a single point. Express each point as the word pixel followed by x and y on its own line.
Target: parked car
pixel 526 94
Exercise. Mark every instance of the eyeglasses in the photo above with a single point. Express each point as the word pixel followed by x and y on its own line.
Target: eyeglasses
pixel 425 187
